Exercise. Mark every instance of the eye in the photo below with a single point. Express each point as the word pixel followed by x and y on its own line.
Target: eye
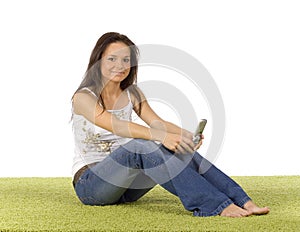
pixel 126 60
pixel 111 59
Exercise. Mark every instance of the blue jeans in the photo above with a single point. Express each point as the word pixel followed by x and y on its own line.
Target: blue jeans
pixel 136 167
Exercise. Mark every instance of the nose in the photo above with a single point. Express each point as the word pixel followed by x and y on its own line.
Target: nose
pixel 119 64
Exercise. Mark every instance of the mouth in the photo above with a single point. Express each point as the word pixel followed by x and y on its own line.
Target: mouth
pixel 118 73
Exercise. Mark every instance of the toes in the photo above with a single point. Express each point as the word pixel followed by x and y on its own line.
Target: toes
pixel 259 211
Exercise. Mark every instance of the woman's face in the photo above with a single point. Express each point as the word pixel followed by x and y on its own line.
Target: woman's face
pixel 115 62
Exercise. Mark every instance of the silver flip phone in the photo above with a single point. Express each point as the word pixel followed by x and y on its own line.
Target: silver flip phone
pixel 199 131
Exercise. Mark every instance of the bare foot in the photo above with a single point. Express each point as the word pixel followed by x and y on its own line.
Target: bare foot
pixel 253 209
pixel 234 211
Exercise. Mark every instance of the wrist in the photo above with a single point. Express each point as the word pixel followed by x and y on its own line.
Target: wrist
pixel 157 135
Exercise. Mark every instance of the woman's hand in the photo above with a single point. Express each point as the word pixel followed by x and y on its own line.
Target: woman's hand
pixel 179 143
pixel 190 135
pixel 199 144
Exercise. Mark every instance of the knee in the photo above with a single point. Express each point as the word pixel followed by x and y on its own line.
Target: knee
pixel 142 146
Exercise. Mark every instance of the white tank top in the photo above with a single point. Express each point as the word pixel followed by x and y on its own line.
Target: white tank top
pixel 93 143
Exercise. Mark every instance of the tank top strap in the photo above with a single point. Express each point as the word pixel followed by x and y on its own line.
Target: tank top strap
pixel 90 91
pixel 128 94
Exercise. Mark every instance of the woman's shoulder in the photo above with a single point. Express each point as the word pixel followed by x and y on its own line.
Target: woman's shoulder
pixel 84 94
pixel 86 90
pixel 83 99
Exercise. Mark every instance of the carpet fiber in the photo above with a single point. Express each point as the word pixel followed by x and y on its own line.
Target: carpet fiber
pixel 50 204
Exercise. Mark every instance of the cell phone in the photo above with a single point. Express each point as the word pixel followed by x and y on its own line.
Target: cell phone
pixel 199 131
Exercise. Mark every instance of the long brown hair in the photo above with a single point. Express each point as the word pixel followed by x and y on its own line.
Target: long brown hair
pixel 92 77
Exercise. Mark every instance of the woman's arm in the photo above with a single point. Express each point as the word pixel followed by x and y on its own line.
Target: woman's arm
pixel 86 104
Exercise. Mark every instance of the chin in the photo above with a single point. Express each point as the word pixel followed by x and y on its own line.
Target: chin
pixel 118 78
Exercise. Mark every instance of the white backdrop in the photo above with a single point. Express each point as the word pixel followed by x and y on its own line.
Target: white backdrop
pixel 251 48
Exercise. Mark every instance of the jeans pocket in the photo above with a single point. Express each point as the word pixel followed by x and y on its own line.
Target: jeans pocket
pixel 86 189
pixel 81 188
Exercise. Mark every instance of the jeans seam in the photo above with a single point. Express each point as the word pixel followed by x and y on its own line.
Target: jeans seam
pixel 217 211
pixel 243 201
pixel 151 160
pixel 118 159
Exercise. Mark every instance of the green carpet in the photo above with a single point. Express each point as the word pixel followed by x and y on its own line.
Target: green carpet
pixel 50 204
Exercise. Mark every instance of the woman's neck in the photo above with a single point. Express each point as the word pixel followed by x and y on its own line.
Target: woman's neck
pixel 111 90
pixel 113 96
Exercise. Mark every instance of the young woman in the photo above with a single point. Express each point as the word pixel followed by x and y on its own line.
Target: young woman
pixel 118 161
